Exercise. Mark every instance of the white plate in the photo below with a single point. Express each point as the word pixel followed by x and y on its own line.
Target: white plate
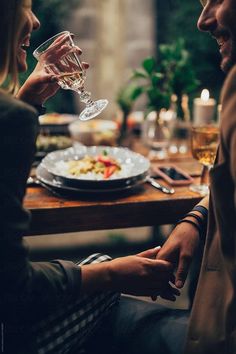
pixel 46 179
pixel 134 167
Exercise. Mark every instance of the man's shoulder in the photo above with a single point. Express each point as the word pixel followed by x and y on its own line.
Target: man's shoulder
pixel 228 113
pixel 229 87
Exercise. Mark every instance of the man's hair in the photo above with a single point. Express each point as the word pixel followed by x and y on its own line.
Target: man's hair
pixel 10 26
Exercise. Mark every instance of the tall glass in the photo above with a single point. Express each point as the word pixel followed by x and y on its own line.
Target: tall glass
pixel 204 144
pixel 59 56
pixel 156 134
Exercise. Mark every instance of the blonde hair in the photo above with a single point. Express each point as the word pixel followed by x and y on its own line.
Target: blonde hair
pixel 10 25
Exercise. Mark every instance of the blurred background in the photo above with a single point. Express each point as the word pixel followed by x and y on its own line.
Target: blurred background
pixel 117 35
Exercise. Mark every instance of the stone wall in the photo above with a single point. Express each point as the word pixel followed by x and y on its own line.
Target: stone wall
pixel 115 35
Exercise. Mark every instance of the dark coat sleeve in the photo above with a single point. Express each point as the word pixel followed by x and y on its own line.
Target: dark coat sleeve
pixel 228 125
pixel 29 284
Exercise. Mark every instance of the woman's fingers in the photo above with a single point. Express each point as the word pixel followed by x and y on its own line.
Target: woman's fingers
pixel 151 253
pixel 85 65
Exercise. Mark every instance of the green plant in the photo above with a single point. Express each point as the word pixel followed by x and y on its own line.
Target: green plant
pixel 175 63
pixel 171 74
pixel 125 99
pixel 153 83
pixel 127 96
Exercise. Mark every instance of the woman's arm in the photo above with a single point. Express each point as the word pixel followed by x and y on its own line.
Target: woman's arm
pixel 140 275
pixel 38 282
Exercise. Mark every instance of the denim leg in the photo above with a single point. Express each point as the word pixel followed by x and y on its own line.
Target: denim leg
pixel 139 327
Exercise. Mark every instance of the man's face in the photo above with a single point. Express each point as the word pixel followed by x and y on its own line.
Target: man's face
pixel 219 18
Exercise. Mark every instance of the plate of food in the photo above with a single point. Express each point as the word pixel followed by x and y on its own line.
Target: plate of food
pixel 96 167
pixel 47 180
pixel 56 123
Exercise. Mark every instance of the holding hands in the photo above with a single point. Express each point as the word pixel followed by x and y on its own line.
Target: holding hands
pixel 140 275
pixel 179 250
pixel 183 242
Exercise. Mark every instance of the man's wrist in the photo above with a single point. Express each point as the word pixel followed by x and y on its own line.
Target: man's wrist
pixel 191 222
pixel 202 210
pixel 198 218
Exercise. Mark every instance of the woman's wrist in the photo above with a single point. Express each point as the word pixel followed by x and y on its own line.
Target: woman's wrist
pixel 96 277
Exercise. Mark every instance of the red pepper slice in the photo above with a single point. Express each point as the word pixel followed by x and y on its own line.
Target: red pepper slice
pixel 109 170
pixel 107 161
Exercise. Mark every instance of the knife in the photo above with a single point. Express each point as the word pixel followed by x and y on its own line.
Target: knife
pixel 159 186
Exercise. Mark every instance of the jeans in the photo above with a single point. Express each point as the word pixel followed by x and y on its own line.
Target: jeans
pixel 139 327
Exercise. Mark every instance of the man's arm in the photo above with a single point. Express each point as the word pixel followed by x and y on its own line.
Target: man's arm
pixel 182 243
pixel 228 125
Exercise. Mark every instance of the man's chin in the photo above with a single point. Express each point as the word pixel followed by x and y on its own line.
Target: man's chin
pixel 227 64
pixel 228 61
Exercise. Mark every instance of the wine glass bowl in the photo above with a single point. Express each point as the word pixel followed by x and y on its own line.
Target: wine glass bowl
pixel 204 144
pixel 60 56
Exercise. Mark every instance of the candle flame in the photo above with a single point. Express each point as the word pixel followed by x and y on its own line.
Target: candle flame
pixel 205 95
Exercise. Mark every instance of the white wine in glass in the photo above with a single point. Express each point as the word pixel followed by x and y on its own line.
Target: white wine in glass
pixel 204 144
pixel 60 56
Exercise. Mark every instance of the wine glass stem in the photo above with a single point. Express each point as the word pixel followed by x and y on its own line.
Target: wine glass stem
pixel 85 97
pixel 204 175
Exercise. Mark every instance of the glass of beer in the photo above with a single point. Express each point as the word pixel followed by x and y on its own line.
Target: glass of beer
pixel 60 56
pixel 204 144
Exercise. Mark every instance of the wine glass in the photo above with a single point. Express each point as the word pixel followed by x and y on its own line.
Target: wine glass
pixel 59 56
pixel 204 143
pixel 156 134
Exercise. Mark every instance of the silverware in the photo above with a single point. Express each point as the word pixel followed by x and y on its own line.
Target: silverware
pixel 159 186
pixel 32 181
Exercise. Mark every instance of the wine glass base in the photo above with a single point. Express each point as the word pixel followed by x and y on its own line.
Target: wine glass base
pixel 93 110
pixel 201 189
pixel 157 154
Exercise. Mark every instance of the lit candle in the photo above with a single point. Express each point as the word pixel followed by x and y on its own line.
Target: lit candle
pixel 203 108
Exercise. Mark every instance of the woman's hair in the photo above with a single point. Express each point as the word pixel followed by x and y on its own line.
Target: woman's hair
pixel 10 26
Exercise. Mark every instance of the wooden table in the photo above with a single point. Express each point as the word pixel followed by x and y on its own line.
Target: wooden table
pixel 142 206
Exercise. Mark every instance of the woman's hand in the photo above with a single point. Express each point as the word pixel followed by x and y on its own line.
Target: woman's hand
pixel 140 275
pixel 143 275
pixel 40 86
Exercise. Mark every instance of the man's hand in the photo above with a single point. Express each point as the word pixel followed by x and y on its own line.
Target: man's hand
pixel 179 249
